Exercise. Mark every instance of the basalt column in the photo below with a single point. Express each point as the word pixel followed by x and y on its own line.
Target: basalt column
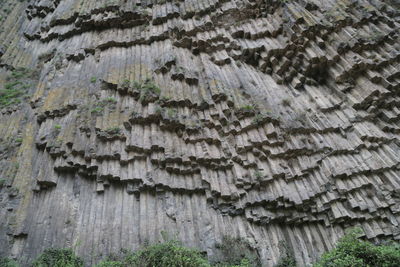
pixel 273 121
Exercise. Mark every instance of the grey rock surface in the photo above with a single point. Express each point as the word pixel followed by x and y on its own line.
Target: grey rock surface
pixel 265 120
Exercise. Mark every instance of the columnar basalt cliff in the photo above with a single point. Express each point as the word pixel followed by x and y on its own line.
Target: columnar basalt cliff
pixel 274 120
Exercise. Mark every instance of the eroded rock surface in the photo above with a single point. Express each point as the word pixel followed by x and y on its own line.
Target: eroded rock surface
pixel 267 120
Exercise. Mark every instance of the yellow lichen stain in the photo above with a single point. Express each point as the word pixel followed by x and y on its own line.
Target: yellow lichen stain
pixel 132 72
pixel 54 98
pixel 39 92
pixel 23 177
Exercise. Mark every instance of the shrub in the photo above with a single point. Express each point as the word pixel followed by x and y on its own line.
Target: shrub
pixel 286 102
pixel 148 89
pixel 259 175
pixel 287 257
pixel 353 252
pixel 111 100
pixel 113 130
pixel 108 263
pixel 258 118
pixel 248 107
pixel 236 252
pixel 10 95
pixel 93 79
pixel 170 253
pixel 98 108
pixel 6 262
pixel 58 258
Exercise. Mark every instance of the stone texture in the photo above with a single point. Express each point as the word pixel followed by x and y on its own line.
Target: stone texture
pixel 266 120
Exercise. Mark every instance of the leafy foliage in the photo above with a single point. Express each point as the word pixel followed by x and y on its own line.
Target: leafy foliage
pixel 16 87
pixel 236 252
pixel 6 262
pixel 170 253
pixel 58 258
pixel 109 263
pixel 113 130
pixel 98 108
pixel 287 257
pixel 148 90
pixel 354 252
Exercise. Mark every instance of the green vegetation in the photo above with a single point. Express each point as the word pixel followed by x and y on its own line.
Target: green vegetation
pixel 172 113
pixel 258 175
pixel 2 182
pixel 93 79
pixel 170 253
pixel 98 108
pixel 247 108
pixel 258 118
pixel 126 83
pixel 351 251
pixel 15 89
pixel 19 73
pixel 148 89
pixel 58 258
pixel 113 130
pixel 231 252
pixel 5 262
pixel 165 98
pixel 159 110
pixel 57 127
pixel 286 102
pixel 111 100
pixel 287 257
pixel 12 93
pixel 235 252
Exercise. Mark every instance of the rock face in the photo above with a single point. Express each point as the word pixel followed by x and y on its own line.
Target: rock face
pixel 266 120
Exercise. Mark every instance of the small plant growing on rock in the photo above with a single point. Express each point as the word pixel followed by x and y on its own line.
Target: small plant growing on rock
pixel 258 175
pixel 248 107
pixel 258 118
pixel 171 113
pixel 57 127
pixel 15 89
pixel 126 83
pixel 113 130
pixel 159 110
pixel 149 88
pixel 2 183
pixel 97 110
pixel 286 102
pixel 93 79
pixel 110 100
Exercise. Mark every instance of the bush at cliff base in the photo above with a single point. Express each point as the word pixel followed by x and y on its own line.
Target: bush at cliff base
pixel 58 258
pixel 5 262
pixel 167 254
pixel 351 251
pixel 170 253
